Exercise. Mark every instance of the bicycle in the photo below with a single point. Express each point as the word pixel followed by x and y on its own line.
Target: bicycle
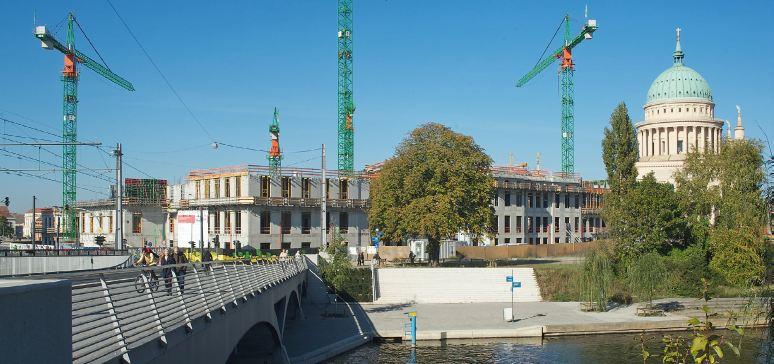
pixel 153 282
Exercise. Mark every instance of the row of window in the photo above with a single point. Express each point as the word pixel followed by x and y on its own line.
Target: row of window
pixel 540 224
pixel 306 222
pixel 701 110
pixel 97 224
pixel 538 199
pixel 213 190
pixel 306 187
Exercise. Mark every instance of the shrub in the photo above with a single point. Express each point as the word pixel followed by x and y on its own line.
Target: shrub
pixel 596 278
pixel 646 275
pixel 686 268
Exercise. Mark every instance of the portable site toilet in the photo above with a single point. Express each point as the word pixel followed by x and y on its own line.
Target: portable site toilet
pixel 419 248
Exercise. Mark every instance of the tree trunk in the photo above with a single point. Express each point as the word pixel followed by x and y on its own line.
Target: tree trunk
pixel 434 248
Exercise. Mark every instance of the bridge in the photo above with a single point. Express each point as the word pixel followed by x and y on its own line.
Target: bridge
pixel 212 312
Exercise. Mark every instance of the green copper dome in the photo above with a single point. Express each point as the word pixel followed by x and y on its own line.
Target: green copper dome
pixel 679 82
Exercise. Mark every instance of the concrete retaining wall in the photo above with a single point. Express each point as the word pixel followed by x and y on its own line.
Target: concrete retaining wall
pixel 36 321
pixel 454 285
pixel 48 264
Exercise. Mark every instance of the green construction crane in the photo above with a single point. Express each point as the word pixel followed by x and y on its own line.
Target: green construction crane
pixel 72 57
pixel 346 107
pixel 275 154
pixel 568 89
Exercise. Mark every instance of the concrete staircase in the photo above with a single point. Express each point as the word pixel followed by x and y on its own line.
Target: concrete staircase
pixel 454 285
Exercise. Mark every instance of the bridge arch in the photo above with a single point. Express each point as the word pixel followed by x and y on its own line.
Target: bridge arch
pixel 260 344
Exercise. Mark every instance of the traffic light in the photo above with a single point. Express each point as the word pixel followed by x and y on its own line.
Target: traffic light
pixel 99 240
pixel 7 201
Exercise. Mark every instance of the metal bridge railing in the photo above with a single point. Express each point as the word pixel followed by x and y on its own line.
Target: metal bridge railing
pixel 116 311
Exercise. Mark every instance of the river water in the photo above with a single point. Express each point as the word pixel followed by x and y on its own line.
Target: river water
pixel 601 349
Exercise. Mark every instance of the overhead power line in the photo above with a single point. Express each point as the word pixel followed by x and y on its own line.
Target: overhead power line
pixel 164 77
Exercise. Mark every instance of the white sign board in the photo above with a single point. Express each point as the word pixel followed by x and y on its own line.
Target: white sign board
pixel 188 227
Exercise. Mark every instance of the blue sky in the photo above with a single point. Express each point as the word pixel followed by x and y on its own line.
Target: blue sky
pixel 454 62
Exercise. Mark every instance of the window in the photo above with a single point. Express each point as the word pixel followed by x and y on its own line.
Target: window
pixel 206 188
pixel 545 224
pixel 566 200
pixel 137 223
pixel 530 229
pixel 679 146
pixel 518 240
pixel 531 241
pixel 197 185
pixel 529 199
pixel 577 225
pixel 497 241
pixel 227 187
pixel 327 188
pixel 216 222
pixel 545 240
pixel 265 247
pixel 507 199
pixel 567 227
pixel 556 240
pixel 507 240
pixel 518 199
pixel 285 246
pixel 93 222
pixel 518 224
pixel 556 200
pixel 110 224
pixel 285 223
pixel 265 223
pixel 537 199
pixel 343 189
pixel 238 186
pixel 577 201
pixel 496 223
pixel 216 183
pixel 306 222
pixel 507 224
pixel 265 186
pixel 305 184
pixel 286 187
pixel 238 222
pixel 556 224
pixel 171 223
pixel 227 222
pixel 343 222
pixel 495 198
pixel 306 245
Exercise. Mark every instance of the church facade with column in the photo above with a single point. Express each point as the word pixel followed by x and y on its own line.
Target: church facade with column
pixel 679 117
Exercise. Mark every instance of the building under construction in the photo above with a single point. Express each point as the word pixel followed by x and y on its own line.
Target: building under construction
pixel 271 210
pixel 144 218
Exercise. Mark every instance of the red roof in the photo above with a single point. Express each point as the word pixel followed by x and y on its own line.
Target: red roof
pixel 4 211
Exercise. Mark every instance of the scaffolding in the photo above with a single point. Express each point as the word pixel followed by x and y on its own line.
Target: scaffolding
pixel 146 191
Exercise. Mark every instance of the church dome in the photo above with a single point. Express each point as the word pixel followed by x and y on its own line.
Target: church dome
pixel 679 82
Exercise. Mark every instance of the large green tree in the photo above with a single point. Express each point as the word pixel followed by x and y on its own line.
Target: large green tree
pixel 619 151
pixel 648 219
pixel 724 191
pixel 437 184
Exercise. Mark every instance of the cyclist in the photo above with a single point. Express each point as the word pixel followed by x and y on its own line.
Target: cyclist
pixel 148 259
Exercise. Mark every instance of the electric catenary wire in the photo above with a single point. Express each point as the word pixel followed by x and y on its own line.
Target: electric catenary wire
pixel 164 77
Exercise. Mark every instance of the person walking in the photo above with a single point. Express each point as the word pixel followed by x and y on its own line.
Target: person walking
pixel 180 258
pixel 360 258
pixel 167 259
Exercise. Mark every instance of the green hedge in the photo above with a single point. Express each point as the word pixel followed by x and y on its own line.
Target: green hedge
pixel 356 286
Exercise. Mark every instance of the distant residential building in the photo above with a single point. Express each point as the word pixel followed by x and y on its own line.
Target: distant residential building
pixel 46 220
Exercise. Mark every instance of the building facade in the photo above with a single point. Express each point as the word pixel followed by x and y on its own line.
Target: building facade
pixel 46 222
pixel 679 117
pixel 537 207
pixel 270 211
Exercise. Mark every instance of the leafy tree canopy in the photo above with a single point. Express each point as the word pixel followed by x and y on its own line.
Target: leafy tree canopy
pixel 438 183
pixel 619 151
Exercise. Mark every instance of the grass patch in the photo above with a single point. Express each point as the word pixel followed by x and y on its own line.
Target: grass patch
pixel 559 282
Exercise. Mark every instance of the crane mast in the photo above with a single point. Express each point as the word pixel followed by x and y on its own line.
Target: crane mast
pixel 566 70
pixel 72 57
pixel 346 107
